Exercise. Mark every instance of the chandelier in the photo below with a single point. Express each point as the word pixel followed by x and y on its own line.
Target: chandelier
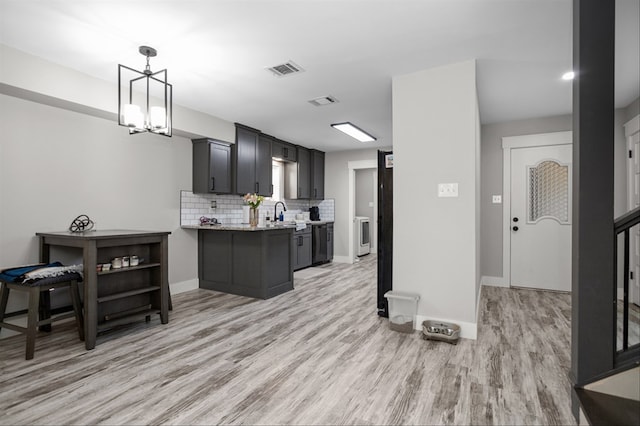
pixel 145 103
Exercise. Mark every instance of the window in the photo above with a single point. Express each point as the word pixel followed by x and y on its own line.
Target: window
pixel 277 180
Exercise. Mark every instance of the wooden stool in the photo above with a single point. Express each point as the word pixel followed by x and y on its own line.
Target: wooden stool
pixel 34 290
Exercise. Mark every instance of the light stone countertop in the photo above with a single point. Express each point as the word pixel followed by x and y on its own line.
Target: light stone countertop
pixel 247 227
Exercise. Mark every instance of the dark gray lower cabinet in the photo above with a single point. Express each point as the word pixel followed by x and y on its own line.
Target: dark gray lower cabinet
pixel 329 241
pixel 301 248
pixel 248 263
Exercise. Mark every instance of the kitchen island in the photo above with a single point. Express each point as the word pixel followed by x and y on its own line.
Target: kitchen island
pixel 244 260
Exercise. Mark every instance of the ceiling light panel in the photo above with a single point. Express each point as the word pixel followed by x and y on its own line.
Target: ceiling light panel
pixel 354 132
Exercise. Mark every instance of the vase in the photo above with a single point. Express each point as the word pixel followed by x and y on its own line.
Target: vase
pixel 254 216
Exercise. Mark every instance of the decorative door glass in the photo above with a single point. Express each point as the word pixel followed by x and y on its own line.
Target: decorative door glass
pixel 548 192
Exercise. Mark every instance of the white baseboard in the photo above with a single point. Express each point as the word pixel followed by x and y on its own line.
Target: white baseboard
pixel 493 281
pixel 468 330
pixel 184 286
pixel 342 259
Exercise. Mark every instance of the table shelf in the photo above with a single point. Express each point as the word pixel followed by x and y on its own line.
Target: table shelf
pixel 129 268
pixel 129 293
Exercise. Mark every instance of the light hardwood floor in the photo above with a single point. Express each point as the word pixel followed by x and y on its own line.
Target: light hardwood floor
pixel 316 355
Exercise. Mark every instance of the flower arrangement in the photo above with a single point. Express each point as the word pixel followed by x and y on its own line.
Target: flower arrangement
pixel 253 200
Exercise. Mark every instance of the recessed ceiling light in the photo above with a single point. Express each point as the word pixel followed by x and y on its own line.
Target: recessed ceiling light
pixel 354 131
pixel 569 75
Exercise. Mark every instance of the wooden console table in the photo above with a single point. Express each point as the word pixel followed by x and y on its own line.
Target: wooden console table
pixel 117 296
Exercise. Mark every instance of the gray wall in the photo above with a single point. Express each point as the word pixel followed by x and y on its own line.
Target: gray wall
pixel 491 175
pixel 57 164
pixel 491 182
pixel 336 186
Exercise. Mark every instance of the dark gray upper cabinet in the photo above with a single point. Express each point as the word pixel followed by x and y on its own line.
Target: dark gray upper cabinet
pixel 298 176
pixel 264 169
pixel 304 173
pixel 211 166
pixel 251 161
pixel 317 174
pixel 281 150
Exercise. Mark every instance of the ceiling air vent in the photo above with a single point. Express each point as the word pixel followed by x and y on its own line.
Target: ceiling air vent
pixel 323 100
pixel 287 68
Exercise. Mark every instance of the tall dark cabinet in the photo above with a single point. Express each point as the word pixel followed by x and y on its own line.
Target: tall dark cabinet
pixel 264 168
pixel 251 161
pixel 211 166
pixel 298 180
pixel 385 229
pixel 317 174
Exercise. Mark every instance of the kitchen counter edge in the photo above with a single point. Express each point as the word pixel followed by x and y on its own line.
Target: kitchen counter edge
pixel 245 227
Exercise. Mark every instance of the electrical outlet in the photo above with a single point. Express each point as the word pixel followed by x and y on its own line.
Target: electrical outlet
pixel 213 204
pixel 496 199
pixel 447 190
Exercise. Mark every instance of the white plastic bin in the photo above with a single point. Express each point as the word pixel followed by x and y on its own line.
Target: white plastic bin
pixel 403 308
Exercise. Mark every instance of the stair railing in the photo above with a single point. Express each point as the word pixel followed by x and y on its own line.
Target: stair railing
pixel 622 225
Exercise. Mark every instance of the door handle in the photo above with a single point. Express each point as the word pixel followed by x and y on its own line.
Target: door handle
pixel 515 219
pixel 213 183
pixel 515 228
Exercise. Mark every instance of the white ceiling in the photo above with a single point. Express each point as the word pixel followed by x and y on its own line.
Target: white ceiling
pixel 216 53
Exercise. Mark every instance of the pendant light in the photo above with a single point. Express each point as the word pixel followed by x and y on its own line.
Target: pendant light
pixel 145 103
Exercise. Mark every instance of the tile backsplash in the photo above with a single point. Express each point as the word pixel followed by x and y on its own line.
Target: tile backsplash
pixel 228 208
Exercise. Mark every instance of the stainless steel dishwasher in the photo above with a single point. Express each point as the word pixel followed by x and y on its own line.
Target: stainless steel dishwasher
pixel 319 244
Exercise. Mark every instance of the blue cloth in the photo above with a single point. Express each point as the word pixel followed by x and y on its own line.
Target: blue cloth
pixel 12 275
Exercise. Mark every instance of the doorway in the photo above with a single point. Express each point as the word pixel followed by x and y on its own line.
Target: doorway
pixel 353 167
pixel 537 211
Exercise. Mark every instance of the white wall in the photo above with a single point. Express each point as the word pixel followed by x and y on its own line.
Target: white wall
pixel 435 140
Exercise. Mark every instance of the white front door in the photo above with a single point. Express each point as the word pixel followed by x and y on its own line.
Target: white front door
pixel 540 224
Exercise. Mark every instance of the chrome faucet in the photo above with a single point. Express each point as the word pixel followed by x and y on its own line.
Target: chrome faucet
pixel 275 210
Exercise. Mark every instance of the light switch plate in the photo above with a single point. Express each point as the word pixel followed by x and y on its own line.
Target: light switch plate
pixel 447 190
pixel 496 199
